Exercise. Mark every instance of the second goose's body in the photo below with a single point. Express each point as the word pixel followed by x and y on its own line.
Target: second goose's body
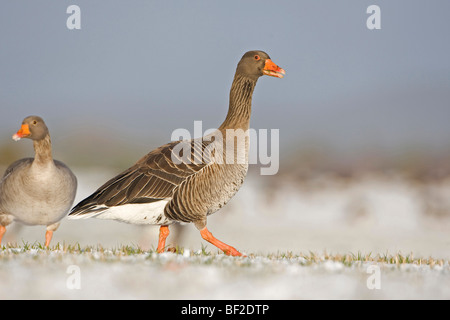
pixel 39 190
pixel 185 181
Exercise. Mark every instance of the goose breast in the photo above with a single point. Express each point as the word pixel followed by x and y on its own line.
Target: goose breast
pixel 37 196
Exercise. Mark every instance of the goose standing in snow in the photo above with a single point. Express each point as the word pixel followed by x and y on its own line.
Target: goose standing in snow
pixel 171 184
pixel 39 190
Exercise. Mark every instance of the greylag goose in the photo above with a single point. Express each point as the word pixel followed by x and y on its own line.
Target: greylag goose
pixel 37 191
pixel 185 181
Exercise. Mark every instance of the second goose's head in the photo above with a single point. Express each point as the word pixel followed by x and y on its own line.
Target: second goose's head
pixel 33 127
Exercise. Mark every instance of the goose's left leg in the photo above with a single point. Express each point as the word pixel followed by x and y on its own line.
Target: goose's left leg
pixel 49 233
pixel 228 250
pixel 204 232
pixel 5 219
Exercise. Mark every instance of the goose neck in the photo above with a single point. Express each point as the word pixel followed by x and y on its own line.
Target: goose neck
pixel 43 151
pixel 239 110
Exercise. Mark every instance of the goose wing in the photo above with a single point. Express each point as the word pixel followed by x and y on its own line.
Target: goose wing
pixel 154 177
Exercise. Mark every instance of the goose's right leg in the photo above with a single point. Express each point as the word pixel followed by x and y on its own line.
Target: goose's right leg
pixel 163 234
pixel 2 232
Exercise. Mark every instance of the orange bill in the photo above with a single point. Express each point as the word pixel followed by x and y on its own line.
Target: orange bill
pixel 22 133
pixel 271 69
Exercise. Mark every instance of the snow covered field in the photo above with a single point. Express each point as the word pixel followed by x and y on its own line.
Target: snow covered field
pixel 106 274
pixel 327 238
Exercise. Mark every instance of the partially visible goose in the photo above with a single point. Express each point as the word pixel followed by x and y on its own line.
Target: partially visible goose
pixel 39 190
pixel 171 185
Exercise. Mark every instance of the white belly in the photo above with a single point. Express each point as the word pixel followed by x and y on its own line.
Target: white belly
pixel 136 213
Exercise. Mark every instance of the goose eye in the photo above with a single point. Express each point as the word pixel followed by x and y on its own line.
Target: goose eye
pixel 34 122
pixel 257 57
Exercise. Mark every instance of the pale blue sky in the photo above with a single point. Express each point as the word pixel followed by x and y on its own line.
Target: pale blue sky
pixel 140 69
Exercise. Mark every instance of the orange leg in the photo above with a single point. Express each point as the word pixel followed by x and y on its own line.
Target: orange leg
pixel 48 237
pixel 163 234
pixel 228 250
pixel 2 232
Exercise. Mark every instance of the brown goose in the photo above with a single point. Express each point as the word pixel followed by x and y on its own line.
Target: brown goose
pixel 37 191
pixel 185 181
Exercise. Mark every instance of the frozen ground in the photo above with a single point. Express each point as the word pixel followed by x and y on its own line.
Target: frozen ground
pixel 280 225
pixel 116 274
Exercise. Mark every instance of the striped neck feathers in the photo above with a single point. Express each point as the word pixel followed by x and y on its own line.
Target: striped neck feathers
pixel 239 111
pixel 43 150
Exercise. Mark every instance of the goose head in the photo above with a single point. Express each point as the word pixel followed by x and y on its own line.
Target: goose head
pixel 33 127
pixel 255 64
